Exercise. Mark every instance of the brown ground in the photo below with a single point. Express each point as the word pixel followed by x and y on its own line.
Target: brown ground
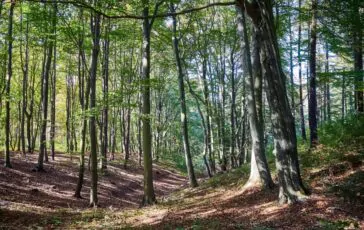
pixel 119 189
pixel 29 199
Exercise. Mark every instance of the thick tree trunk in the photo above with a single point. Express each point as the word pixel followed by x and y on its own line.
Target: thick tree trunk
pixel 184 121
pixel 259 171
pixel 290 183
pixel 149 196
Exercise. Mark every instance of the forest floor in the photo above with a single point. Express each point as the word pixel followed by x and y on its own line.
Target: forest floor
pixel 33 200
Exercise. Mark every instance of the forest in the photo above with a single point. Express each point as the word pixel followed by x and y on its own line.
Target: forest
pixel 181 114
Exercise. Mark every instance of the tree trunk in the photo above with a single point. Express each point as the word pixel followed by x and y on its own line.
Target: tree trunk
pixel 95 31
pixel 53 104
pixel 25 69
pixel 327 93
pixel 302 113
pixel 232 111
pixel 149 196
pixel 211 159
pixel 184 121
pixel 292 85
pixel 358 59
pixel 312 105
pixel 50 43
pixel 343 97
pixel 259 171
pixel 84 94
pixel 290 183
pixel 7 86
pixel 105 91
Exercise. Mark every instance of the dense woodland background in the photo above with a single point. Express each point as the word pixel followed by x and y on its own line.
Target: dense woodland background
pixel 255 93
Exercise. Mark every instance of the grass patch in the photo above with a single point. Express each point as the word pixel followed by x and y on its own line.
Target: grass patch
pixel 337 225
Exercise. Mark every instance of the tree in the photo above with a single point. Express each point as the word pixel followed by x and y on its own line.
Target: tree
pixel 84 95
pixel 302 113
pixel 105 91
pixel 49 44
pixel 95 22
pixel 259 170
pixel 312 105
pixel 184 121
pixel 291 188
pixel 149 196
pixel 8 84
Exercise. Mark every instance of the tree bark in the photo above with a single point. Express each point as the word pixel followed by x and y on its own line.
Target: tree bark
pixel 302 112
pixel 312 105
pixel 95 31
pixel 291 188
pixel 184 121
pixel 84 95
pixel 49 43
pixel 25 69
pixel 105 91
pixel 7 86
pixel 259 171
pixel 149 195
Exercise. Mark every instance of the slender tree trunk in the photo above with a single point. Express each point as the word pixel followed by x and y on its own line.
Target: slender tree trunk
pixel 211 159
pixel 358 59
pixel 292 85
pixel 343 97
pixel 53 104
pixel 84 94
pixel 53 90
pixel 127 116
pixel 328 96
pixel 302 113
pixel 7 86
pixel 312 105
pixel 232 111
pixel 140 146
pixel 184 121
pixel 50 43
pixel 95 31
pixel 105 91
pixel 25 69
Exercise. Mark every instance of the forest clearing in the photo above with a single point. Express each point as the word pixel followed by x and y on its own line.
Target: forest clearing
pixel 181 114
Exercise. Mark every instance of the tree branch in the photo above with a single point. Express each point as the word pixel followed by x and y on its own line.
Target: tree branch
pixel 136 17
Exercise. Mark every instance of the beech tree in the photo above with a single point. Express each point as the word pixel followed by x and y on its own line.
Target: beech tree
pixel 291 188
pixel 8 84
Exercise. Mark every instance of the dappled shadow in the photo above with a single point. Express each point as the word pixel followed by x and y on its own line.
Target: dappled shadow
pixel 118 188
pixel 255 208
